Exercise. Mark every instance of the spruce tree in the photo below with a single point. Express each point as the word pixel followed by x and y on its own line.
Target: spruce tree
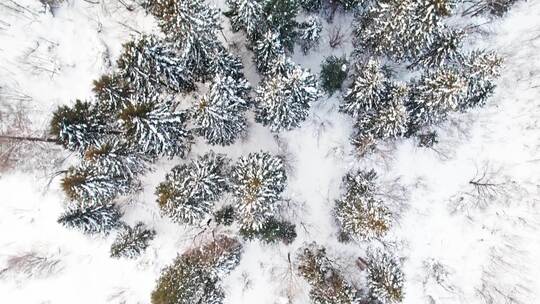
pixel 359 214
pixel 309 33
pixel 388 121
pixel 220 115
pixel 333 73
pixel 327 284
pixel 113 156
pixel 89 185
pixel 153 128
pixel 282 102
pixel 385 278
pixel 226 64
pixel 267 49
pixel 281 18
pixel 111 92
pixel 148 65
pixel 481 69
pixel 192 26
pixel 368 91
pixel 435 95
pixel 195 276
pixel 131 242
pixel 246 15
pixel 444 50
pixel 257 181
pixel 78 127
pixel 190 190
pixel 91 219
pixel 273 230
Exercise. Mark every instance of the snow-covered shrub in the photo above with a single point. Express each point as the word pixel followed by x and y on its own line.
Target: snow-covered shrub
pixel 92 219
pixel 333 73
pixel 131 242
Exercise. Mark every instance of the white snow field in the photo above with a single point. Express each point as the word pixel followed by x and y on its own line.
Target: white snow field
pixel 456 245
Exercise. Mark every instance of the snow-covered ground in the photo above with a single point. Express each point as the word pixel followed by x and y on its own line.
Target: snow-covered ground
pixel 456 246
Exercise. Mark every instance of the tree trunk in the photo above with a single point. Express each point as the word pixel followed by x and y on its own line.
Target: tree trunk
pixel 27 138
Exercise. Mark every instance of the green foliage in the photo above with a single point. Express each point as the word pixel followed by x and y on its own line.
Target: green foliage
pixel 194 277
pixel 272 230
pixel 333 73
pixel 131 242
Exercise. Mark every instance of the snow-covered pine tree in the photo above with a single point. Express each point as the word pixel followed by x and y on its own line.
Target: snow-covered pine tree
pixel 333 73
pixel 389 120
pixel 246 15
pixel 111 92
pixel 226 64
pixel 282 102
pixel 443 50
pixel 309 33
pixel 281 18
pixel 148 65
pixel 434 95
pixel 194 276
pixel 368 90
pixel 257 181
pixel 89 185
pixel 220 115
pixel 78 127
pixel 496 8
pixel 113 156
pixel 131 242
pixel 400 29
pixel 91 219
pixel 328 286
pixel 385 278
pixel 152 127
pixel 481 69
pixel 266 50
pixel 358 213
pixel 190 190
pixel 193 27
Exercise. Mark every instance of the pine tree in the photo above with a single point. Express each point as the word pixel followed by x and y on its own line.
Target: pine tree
pixel 358 213
pixel 328 285
pixel 444 49
pixel 435 95
pixel 280 16
pixel 273 230
pixel 111 92
pixel 389 120
pixel 131 242
pixel 148 65
pixel 481 69
pixel 257 181
pixel 400 29
pixel 333 73
pixel 246 15
pixel 267 49
pixel 190 190
pixel 385 279
pixel 283 101
pixel 113 156
pixel 88 185
pixel 78 127
pixel 91 219
pixel 192 26
pixel 368 91
pixel 154 129
pixel 219 116
pixel 226 64
pixel 194 277
pixel 309 33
